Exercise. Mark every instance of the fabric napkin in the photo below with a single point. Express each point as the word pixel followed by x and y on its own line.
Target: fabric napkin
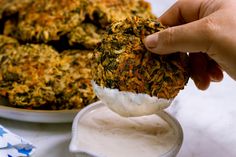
pixel 12 145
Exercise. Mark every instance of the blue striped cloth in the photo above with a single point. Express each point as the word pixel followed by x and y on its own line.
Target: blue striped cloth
pixel 12 145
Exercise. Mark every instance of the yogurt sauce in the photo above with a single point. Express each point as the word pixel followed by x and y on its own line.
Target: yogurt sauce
pixel 106 134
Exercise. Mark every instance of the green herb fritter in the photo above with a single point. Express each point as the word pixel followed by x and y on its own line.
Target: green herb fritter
pixel 38 77
pixel 86 35
pixel 75 86
pixel 104 12
pixel 10 7
pixel 124 63
pixel 47 20
pixel 9 10
pixel 26 73
pixel 7 43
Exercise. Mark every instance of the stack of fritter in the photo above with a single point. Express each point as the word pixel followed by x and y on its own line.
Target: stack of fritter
pixel 46 48
pixel 76 22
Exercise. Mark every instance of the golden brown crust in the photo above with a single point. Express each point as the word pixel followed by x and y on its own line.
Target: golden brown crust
pixel 25 74
pixel 77 78
pixel 6 42
pixel 107 11
pixel 10 7
pixel 87 35
pixel 46 20
pixel 9 10
pixel 37 77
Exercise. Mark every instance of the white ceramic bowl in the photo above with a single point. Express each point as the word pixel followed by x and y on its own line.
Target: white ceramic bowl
pixel 78 152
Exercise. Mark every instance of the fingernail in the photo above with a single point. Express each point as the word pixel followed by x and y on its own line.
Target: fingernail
pixel 202 83
pixel 151 41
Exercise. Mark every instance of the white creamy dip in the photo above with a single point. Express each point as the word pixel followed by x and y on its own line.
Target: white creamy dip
pixel 106 134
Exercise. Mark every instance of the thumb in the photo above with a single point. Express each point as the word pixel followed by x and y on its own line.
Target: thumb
pixel 191 37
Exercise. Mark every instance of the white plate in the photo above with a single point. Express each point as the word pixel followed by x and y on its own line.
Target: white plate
pixel 39 116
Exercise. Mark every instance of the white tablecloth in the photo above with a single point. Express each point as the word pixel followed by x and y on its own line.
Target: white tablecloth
pixel 51 140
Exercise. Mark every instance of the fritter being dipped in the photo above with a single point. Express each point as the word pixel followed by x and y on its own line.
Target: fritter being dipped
pixel 124 64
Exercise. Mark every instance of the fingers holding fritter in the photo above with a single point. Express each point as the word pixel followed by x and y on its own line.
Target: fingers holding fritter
pixel 124 63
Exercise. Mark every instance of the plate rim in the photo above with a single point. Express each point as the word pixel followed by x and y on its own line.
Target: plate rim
pixel 4 107
pixel 37 116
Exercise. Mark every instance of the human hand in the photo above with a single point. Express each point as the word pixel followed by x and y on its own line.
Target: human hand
pixel 205 29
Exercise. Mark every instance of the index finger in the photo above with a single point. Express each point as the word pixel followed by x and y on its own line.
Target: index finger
pixel 183 11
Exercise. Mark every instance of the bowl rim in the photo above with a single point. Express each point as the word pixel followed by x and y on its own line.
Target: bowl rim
pixel 74 137
pixel 174 124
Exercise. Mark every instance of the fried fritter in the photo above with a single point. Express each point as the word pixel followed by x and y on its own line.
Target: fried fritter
pixel 10 7
pixel 46 20
pixel 124 63
pixel 9 10
pixel 77 90
pixel 26 73
pixel 87 35
pixel 7 42
pixel 7 45
pixel 38 77
pixel 104 12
